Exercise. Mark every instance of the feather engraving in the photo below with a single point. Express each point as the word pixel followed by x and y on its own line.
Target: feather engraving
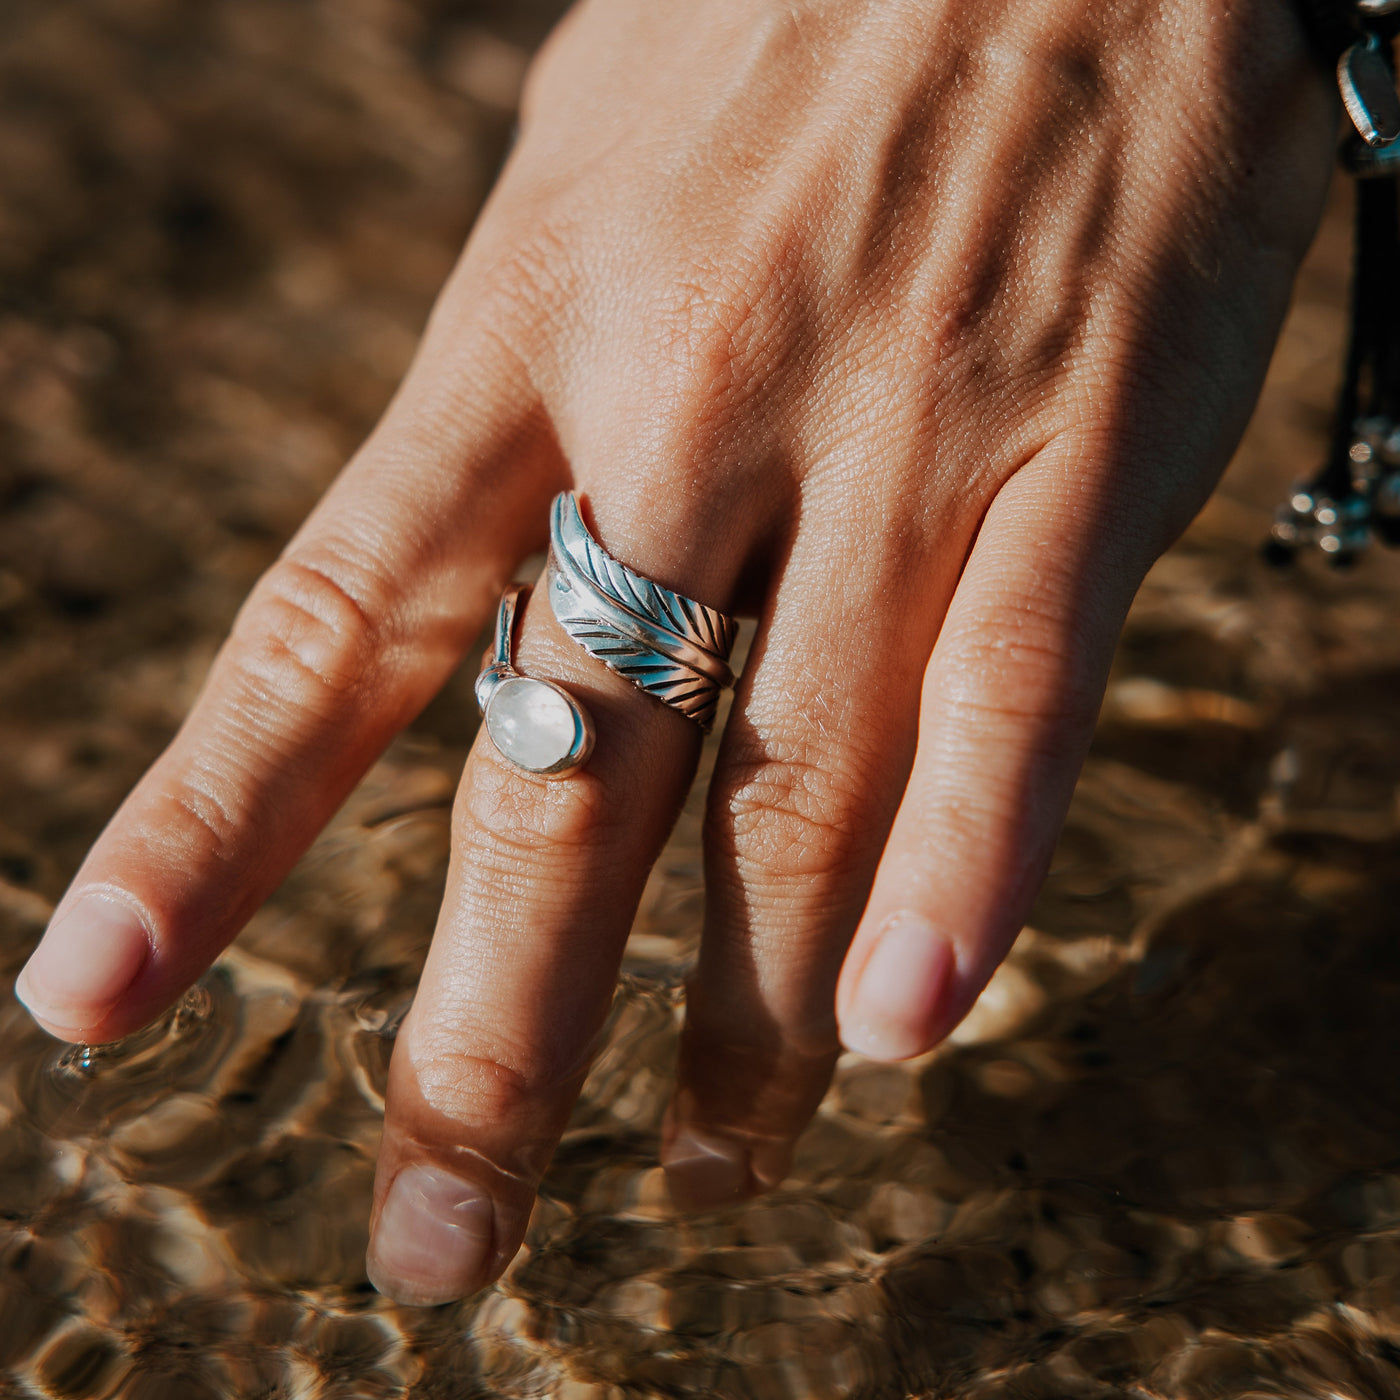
pixel 669 646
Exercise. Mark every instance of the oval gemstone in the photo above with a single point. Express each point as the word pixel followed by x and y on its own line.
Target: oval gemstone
pixel 534 725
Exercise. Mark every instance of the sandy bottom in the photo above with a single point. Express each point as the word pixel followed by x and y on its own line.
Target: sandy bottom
pixel 1162 1158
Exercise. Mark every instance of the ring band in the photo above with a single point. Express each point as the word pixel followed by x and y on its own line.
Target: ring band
pixel 535 724
pixel 675 649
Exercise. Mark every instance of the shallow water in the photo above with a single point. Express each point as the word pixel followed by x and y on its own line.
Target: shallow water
pixel 1161 1158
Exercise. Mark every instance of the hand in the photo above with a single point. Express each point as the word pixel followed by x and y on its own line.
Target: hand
pixel 916 329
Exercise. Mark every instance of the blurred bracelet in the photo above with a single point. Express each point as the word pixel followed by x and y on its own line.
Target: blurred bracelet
pixel 1355 496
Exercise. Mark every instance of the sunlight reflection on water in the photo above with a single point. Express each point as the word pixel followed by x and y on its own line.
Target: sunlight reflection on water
pixel 1161 1152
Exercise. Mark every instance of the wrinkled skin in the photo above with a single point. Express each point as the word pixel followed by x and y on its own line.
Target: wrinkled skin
pixel 916 329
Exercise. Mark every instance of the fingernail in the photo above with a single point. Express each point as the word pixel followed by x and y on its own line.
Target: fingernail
pixel 704 1171
pixel 432 1239
pixel 87 959
pixel 890 1015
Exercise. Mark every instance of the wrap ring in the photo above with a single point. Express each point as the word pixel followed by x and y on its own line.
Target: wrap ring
pixel 670 646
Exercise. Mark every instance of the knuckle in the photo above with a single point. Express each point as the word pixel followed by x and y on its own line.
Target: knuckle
pixel 723 328
pixel 1023 669
pixel 536 277
pixel 1049 721
pixel 508 819
pixel 526 299
pixel 202 814
pixel 788 817
pixel 486 1082
pixel 303 639
pixel 495 1098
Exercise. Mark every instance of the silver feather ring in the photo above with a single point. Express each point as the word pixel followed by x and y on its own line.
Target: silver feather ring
pixel 675 649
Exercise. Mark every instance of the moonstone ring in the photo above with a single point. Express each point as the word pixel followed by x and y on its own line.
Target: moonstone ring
pixel 536 725
pixel 670 646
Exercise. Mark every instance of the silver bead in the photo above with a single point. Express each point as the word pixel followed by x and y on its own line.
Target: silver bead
pixel 1368 92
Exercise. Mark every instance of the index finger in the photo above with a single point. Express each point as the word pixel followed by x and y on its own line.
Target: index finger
pixel 340 644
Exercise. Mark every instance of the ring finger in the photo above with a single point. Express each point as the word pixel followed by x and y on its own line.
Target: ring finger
pixel 545 878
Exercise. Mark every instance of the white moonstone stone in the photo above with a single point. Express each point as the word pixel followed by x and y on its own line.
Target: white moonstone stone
pixel 532 724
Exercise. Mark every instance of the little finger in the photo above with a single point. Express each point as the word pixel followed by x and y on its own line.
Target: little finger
pixel 1009 705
